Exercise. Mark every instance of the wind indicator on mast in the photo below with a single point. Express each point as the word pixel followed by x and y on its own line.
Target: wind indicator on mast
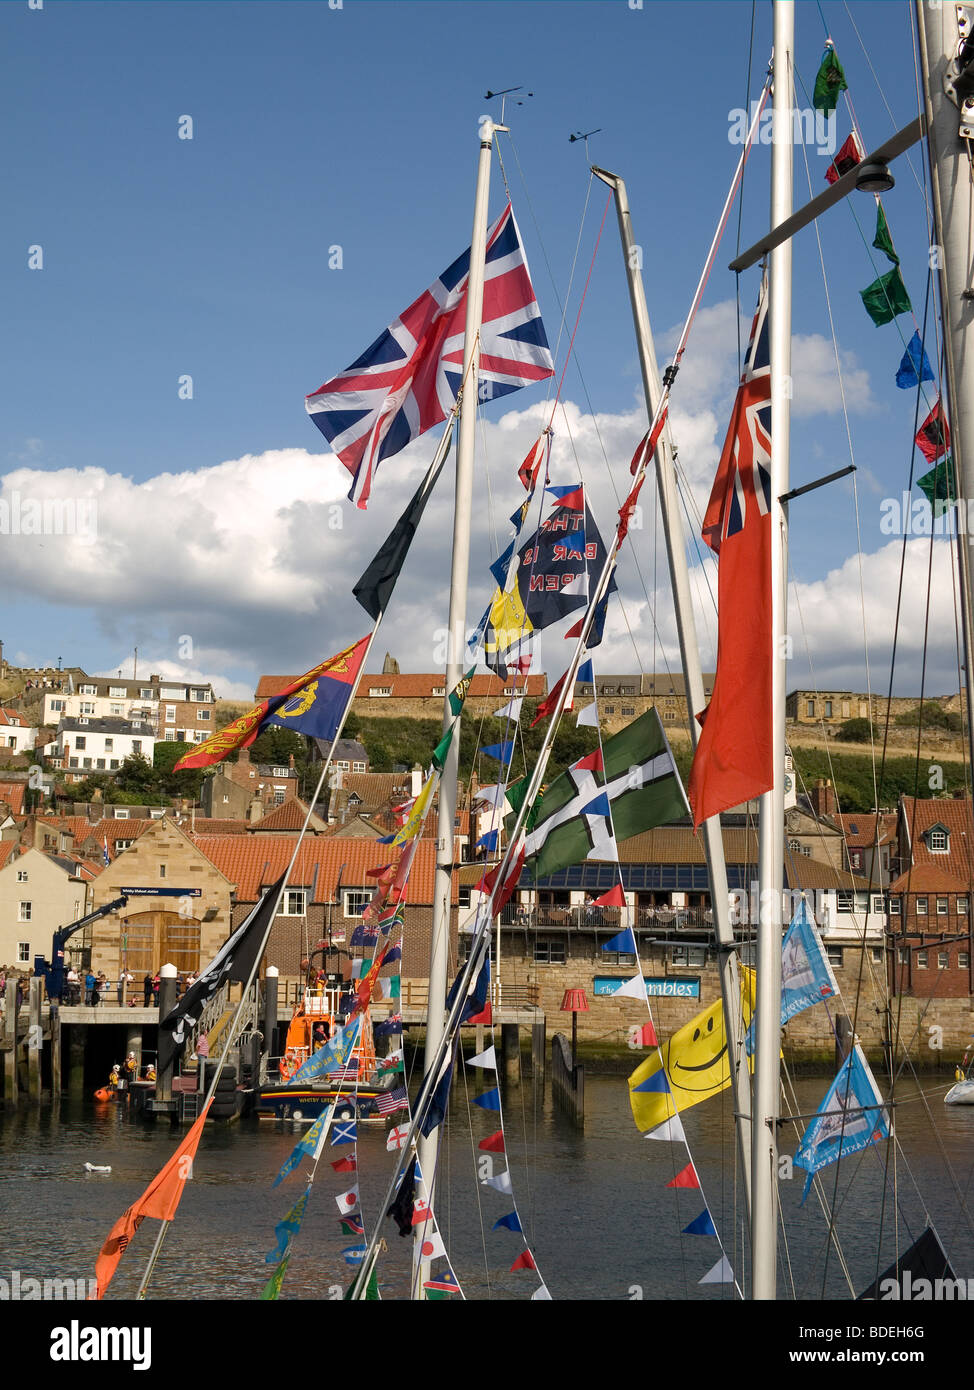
pixel 489 95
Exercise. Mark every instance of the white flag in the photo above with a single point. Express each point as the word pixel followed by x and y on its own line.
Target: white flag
pixel 511 711
pixel 720 1274
pixel 670 1129
pixel 588 717
pixel 432 1246
pixel 396 1138
pixel 348 1201
pixel 632 989
pixel 540 1293
pixel 502 1183
pixel 484 1059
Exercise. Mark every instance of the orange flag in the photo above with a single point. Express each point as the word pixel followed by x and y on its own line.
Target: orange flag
pixel 160 1199
pixel 367 984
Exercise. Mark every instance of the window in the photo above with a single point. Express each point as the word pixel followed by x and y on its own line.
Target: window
pixel 21 875
pixel 202 714
pixel 877 955
pixel 921 960
pixel 549 952
pixel 617 958
pixel 200 694
pixel 136 745
pixel 794 845
pixel 695 957
pixel 294 902
pixel 894 905
pixel 439 690
pixel 87 707
pixel 877 902
pixel 23 953
pixel 113 764
pixel 963 906
pixel 100 764
pixel 843 900
pixel 86 762
pixel 610 709
pixel 938 842
pixel 356 901
pixel 376 690
pixel 280 772
pixel 23 912
pixel 121 813
pixel 72 762
pixel 57 705
pixel 629 710
pixel 358 767
pixel 81 741
pixel 903 955
pixel 118 709
pixel 109 745
pixel 845 709
pixel 280 796
pixel 170 714
pixel 943 960
pixel 122 844
pixel 162 871
pixel 921 907
pixel 118 691
pixel 146 694
pixel 810 709
pixel 964 960
pixel 170 736
pixel 87 690
pixel 834 954
pixel 828 709
pixel 943 907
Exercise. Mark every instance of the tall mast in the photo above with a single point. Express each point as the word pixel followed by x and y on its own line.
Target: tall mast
pixel 949 101
pixel 692 675
pixel 439 948
pixel 764 1166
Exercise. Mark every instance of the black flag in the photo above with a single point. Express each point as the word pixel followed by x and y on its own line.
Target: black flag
pixel 234 961
pixel 404 1201
pixel 375 587
pixel 926 1259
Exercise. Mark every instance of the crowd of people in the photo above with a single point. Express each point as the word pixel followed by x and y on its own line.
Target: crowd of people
pixel 91 989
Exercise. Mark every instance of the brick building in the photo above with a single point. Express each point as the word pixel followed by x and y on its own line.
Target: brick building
pixel 930 899
pixel 420 696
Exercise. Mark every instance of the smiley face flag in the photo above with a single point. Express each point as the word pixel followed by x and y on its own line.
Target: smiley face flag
pixel 694 1065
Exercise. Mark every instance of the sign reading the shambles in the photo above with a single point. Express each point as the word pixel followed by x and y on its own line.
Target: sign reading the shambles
pixel 670 989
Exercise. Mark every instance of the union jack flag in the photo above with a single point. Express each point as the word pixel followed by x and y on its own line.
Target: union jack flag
pixel 407 381
pixel 745 465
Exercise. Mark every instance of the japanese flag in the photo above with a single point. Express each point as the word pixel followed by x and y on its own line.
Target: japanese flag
pixel 348 1201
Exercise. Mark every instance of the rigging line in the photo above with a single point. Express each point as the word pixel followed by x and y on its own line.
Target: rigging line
pixel 581 305
pixel 879 85
pixel 740 205
pixel 473 1157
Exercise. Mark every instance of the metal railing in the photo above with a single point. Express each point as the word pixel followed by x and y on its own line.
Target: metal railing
pixel 503 994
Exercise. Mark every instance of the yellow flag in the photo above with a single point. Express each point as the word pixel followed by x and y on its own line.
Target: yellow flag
pixel 509 624
pixel 415 819
pixel 694 1066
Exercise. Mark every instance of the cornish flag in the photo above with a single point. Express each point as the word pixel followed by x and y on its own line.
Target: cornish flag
pixel 407 381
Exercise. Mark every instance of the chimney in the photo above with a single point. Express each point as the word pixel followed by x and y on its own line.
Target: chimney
pixel 290 761
pixel 255 810
pixel 416 780
pixel 823 798
pixel 243 757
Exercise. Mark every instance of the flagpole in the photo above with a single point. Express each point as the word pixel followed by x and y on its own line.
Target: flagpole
pixel 690 655
pixel 767 1070
pixel 456 635
pixel 232 1030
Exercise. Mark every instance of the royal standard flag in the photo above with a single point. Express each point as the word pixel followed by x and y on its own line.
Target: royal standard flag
pixel 313 704
pixel 691 1067
pixel 637 788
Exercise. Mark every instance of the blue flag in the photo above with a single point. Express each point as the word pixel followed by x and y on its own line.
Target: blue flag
pixel 507 1223
pixel 914 360
pixel 850 1118
pixel 503 752
pixel 288 1228
pixel 488 841
pixel 490 1100
pixel 598 807
pixel 624 941
pixel 304 1148
pixel 806 976
pixel 344 1132
pixel 585 672
pixel 332 1057
pixel 703 1225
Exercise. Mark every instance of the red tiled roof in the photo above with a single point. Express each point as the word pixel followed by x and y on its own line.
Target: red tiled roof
pixel 929 878
pixel 415 686
pixel 13 794
pixel 211 825
pixel 288 816
pixel 13 717
pixel 252 863
pixel 376 788
pixel 955 816
pixel 861 830
pixel 7 848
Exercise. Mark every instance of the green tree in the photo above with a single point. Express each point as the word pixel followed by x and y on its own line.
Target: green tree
pixel 854 731
pixel 187 783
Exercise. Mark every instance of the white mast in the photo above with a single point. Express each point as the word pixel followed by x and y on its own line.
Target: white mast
pixel 693 677
pixel 439 949
pixel 948 88
pixel 764 1148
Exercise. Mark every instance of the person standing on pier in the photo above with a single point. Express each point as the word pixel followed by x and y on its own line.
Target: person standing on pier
pixel 147 991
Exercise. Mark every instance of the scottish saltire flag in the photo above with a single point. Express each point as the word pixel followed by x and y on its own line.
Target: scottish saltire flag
pixel 332 1057
pixel 733 758
pixel 313 704
pixel 407 381
pixel 850 1118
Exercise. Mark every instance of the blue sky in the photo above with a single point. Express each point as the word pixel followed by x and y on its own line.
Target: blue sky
pixel 315 127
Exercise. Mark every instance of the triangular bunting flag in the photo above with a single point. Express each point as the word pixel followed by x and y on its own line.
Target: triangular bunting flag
pixel 509 1222
pixel 720 1274
pixel 632 989
pixel 524 1261
pixel 686 1177
pixel 494 1143
pixel 671 1129
pixel 490 1100
pixel 703 1225
pixel 486 1059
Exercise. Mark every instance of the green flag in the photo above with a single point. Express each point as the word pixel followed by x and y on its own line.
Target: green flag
pixel 939 487
pixel 443 747
pixel 829 82
pixel 516 793
pixel 882 240
pixel 639 784
pixel 886 297
pixel 272 1289
pixel 459 692
pixel 372 1289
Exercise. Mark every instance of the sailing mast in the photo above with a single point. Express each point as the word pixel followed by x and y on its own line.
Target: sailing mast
pixel 692 675
pixel 771 824
pixel 456 638
pixel 946 34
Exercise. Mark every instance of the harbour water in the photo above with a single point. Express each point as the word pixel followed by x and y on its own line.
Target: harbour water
pixel 595 1205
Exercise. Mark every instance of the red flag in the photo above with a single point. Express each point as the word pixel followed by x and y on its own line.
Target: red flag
pixel 547 705
pixel 686 1177
pixel 933 436
pixel 160 1199
pixel 528 472
pixel 367 984
pixel 646 447
pixel 486 1018
pixel 345 1165
pixel 648 1036
pixel 627 509
pixel 486 884
pixel 524 1261
pixel 847 158
pixel 733 761
pixel 592 763
pixel 614 898
pixel 494 1143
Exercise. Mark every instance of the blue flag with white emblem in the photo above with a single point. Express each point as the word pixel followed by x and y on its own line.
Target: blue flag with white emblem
pixel 850 1118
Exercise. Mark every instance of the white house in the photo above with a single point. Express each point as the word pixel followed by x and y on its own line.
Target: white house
pixel 38 893
pixel 15 731
pixel 85 745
